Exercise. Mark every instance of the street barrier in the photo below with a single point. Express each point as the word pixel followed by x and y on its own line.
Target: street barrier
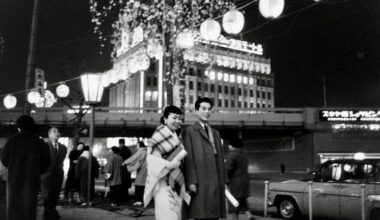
pixel 266 198
pixel 310 186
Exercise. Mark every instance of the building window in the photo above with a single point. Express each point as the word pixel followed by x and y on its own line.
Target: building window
pixel 251 92
pixel 245 104
pixel 263 94
pixel 232 103
pixel 258 105
pixel 269 95
pixel 220 89
pixel 199 86
pixel 239 91
pixel 212 87
pixel 148 81
pixel 263 105
pixel 226 103
pixel 191 71
pixel 252 105
pixel 226 89
pixel 191 99
pixel 269 106
pixel 155 81
pixel 206 87
pixel 219 102
pixel 245 92
pixel 191 85
pixel 258 94
pixel 232 90
pixel 199 72
pixel 239 104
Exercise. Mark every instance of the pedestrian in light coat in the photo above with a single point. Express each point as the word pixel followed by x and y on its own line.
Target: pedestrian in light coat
pixel 113 172
pixel 204 166
pixel 26 156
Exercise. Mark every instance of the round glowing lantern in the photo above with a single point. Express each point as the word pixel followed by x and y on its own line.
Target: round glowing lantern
pixel 62 90
pixel 10 101
pixel 33 96
pixel 271 8
pixel 144 62
pixel 210 30
pixel 233 22
pixel 185 40
pixel 47 101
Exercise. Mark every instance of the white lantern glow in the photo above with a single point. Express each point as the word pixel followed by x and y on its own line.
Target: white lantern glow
pixel 62 91
pixel 47 101
pixel 10 101
pixel 92 87
pixel 210 30
pixel 185 40
pixel 144 62
pixel 271 8
pixel 33 97
pixel 233 22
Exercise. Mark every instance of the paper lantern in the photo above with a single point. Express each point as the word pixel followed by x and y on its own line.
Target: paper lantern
pixel 10 101
pixel 144 62
pixel 62 90
pixel 33 97
pixel 47 101
pixel 271 8
pixel 233 22
pixel 210 30
pixel 185 40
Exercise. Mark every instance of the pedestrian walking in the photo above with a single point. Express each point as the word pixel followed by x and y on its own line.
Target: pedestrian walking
pixel 165 181
pixel 125 153
pixel 51 181
pixel 204 166
pixel 137 162
pixel 237 173
pixel 26 156
pixel 282 167
pixel 114 176
pixel 81 172
pixel 72 183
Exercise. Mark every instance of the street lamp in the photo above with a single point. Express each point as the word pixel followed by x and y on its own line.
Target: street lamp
pixel 92 90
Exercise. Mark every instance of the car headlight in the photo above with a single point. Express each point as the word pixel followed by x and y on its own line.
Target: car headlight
pixel 374 198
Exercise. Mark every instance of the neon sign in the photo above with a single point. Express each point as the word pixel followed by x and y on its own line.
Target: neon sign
pixel 350 115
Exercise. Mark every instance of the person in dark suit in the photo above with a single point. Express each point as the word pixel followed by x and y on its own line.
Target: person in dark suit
pixel 52 179
pixel 125 153
pixel 26 156
pixel 237 172
pixel 204 166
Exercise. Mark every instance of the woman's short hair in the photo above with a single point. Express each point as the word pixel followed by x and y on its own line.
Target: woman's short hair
pixel 170 109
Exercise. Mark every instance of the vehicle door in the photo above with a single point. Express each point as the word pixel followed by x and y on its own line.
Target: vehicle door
pixel 350 194
pixel 325 199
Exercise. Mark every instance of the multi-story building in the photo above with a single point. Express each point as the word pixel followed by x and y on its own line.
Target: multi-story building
pixel 233 73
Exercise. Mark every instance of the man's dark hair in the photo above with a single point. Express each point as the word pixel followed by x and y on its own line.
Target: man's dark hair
pixel 121 141
pixel 115 149
pixel 26 123
pixel 200 100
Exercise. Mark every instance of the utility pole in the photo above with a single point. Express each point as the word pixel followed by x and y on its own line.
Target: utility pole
pixel 31 52
pixel 324 91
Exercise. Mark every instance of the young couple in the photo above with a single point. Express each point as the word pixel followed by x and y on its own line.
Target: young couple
pixel 186 177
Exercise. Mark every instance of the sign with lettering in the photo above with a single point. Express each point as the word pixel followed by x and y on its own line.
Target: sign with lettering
pixel 350 115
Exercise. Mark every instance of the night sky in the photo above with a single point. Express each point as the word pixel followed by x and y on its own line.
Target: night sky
pixel 339 40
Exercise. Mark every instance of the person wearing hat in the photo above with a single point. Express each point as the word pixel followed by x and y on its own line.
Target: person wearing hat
pixel 237 172
pixel 26 156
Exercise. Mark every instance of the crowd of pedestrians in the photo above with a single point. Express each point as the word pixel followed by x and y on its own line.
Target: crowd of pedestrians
pixel 183 171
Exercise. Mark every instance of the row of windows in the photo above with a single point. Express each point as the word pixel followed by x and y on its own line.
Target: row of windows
pixel 231 90
pixel 231 103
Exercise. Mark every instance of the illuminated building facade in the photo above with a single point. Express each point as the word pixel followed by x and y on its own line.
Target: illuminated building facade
pixel 233 73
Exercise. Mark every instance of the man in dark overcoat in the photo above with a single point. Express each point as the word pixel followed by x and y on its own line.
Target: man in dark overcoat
pixel 204 166
pixel 125 153
pixel 26 156
pixel 52 179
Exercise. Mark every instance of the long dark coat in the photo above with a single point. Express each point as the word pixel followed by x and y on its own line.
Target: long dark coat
pixel 114 168
pixel 237 172
pixel 81 173
pixel 205 169
pixel 26 156
pixel 51 180
pixel 72 183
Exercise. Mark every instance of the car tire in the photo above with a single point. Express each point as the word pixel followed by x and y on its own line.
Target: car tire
pixel 287 208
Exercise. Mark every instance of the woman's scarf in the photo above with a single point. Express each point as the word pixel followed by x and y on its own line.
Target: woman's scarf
pixel 170 147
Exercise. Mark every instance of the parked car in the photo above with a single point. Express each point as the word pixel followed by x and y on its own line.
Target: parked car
pixel 336 191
